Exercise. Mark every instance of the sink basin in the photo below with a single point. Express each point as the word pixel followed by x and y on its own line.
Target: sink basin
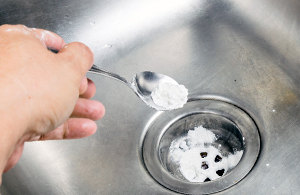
pixel 245 53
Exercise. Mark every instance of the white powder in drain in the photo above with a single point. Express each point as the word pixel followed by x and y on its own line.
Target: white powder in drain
pixel 198 160
pixel 170 95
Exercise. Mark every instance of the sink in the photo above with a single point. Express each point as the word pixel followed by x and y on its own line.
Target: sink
pixel 242 53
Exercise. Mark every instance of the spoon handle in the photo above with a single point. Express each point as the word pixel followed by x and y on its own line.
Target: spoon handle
pixel 103 72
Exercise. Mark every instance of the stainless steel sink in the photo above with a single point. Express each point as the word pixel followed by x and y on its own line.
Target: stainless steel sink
pixel 245 53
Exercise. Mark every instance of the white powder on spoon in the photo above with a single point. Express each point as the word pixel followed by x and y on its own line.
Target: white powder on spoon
pixel 170 95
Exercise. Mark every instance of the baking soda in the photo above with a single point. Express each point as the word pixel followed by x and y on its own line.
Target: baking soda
pixel 170 95
pixel 198 160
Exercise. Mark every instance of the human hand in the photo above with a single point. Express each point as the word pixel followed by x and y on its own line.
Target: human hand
pixel 44 95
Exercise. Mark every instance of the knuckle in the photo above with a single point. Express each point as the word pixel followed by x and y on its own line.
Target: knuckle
pixel 19 28
pixel 85 50
pixel 83 54
pixel 5 27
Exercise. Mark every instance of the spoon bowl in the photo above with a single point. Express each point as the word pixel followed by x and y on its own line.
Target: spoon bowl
pixel 142 83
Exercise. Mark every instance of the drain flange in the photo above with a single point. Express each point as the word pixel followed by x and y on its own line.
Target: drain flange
pixel 235 130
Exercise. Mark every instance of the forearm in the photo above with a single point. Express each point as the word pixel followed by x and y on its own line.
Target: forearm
pixel 14 118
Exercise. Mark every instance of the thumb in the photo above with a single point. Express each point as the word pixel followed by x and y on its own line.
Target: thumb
pixel 79 55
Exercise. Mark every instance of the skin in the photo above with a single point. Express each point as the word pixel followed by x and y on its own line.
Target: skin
pixel 44 96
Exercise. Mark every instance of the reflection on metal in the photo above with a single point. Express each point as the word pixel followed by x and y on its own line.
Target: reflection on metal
pixel 246 52
pixel 233 127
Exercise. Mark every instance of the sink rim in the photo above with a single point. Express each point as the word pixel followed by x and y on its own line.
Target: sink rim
pixel 197 105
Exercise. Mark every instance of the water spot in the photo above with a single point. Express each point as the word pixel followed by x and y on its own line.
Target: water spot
pixel 107 46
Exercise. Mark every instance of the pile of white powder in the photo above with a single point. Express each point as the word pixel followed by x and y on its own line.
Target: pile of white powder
pixel 198 160
pixel 170 95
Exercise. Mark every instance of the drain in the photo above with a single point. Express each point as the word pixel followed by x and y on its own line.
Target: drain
pixel 201 165
pixel 201 153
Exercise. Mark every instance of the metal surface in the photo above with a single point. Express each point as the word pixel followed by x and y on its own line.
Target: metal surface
pixel 142 84
pixel 246 52
pixel 234 129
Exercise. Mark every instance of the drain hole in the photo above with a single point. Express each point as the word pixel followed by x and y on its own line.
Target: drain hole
pixel 203 154
pixel 209 151
pixel 218 159
pixel 198 149
pixel 204 166
pixel 220 172
pixel 207 179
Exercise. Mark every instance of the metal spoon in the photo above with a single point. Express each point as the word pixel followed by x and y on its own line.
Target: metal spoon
pixel 142 83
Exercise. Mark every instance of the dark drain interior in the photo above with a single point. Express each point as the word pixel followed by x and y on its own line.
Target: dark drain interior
pixel 218 158
pixel 220 172
pixel 203 154
pixel 205 165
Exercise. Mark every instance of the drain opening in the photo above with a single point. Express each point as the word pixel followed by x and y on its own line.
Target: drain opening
pixel 203 154
pixel 220 172
pixel 218 158
pixel 204 165
pixel 207 179
pixel 220 150
pixel 234 133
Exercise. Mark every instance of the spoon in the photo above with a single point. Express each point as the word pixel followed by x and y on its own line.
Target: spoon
pixel 142 83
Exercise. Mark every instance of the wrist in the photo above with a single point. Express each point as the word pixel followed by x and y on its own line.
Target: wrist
pixel 11 134
pixel 13 119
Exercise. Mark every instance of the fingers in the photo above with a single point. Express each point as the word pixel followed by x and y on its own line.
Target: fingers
pixel 16 29
pixel 90 91
pixel 73 128
pixel 47 38
pixel 81 56
pixel 83 85
pixel 51 40
pixel 91 109
pixel 15 157
pixel 75 53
